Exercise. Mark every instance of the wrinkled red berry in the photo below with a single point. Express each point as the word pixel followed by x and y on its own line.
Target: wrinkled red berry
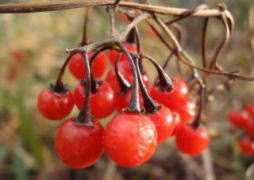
pixel 130 139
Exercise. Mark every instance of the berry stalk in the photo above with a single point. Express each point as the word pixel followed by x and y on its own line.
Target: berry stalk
pixel 165 82
pixel 133 106
pixel 59 86
pixel 149 104
pixel 85 117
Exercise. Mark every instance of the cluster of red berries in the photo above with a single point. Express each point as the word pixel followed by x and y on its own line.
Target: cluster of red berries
pixel 131 137
pixel 244 120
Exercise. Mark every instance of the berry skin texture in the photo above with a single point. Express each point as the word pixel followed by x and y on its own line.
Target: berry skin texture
pixel 238 118
pixel 55 106
pixel 130 139
pixel 246 145
pixel 79 146
pixel 164 123
pixel 102 102
pixel 77 66
pixel 192 141
pixel 174 99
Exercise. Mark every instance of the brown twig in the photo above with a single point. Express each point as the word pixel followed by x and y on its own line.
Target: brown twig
pixel 62 5
pixel 203 44
pixel 84 40
pixel 223 43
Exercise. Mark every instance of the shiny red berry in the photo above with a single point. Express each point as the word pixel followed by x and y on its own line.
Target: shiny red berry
pixel 187 112
pixel 246 145
pixel 79 146
pixel 102 102
pixel 130 139
pixel 192 141
pixel 122 57
pixel 53 105
pixel 238 118
pixel 164 123
pixel 249 126
pixel 77 66
pixel 250 109
pixel 174 99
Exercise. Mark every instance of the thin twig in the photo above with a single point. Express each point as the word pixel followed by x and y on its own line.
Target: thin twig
pixel 111 41
pixel 84 40
pixel 62 5
pixel 223 44
pixel 180 53
pixel 203 44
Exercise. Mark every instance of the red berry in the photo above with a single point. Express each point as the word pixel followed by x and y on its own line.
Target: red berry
pixel 249 126
pixel 53 105
pixel 102 102
pixel 124 68
pixel 178 122
pixel 250 109
pixel 246 145
pixel 164 123
pixel 174 99
pixel 79 146
pixel 77 66
pixel 238 118
pixel 192 141
pixel 187 112
pixel 130 139
pixel 122 57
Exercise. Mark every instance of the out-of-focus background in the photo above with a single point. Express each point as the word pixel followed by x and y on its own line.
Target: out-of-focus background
pixel 32 50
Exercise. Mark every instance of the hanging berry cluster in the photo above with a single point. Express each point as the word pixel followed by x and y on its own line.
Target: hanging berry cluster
pixel 146 116
pixel 244 120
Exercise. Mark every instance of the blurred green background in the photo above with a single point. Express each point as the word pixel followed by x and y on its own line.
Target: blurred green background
pixel 32 50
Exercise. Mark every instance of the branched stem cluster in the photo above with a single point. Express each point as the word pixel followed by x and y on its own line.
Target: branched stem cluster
pixel 149 13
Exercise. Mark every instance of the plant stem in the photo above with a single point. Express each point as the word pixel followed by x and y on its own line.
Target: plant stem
pixel 85 118
pixel 165 82
pixel 62 5
pixel 84 34
pixel 196 121
pixel 149 104
pixel 59 86
pixel 123 83
pixel 134 106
